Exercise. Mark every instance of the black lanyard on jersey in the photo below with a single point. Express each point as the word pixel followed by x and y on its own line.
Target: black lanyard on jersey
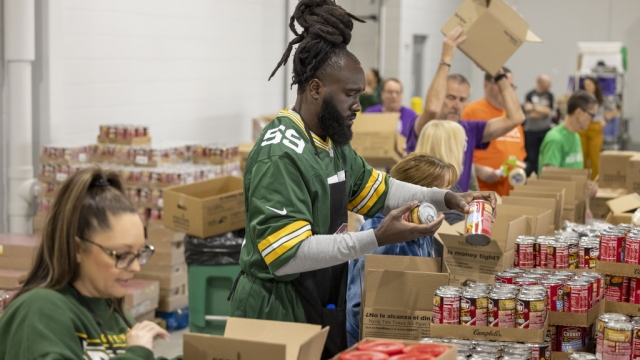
pixel 97 320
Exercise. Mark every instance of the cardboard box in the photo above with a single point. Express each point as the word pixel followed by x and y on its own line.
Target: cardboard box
pixel 166 281
pixel 576 213
pixel 468 263
pixel 549 204
pixel 250 339
pixel 533 195
pixel 180 290
pixel 205 208
pixel 376 139
pixel 589 348
pixel 598 204
pixel 142 296
pixel 622 208
pixel 620 269
pixel 173 303
pixel 161 237
pixel 489 333
pixel 16 263
pixel 633 174
pixel 538 219
pixel 613 168
pixel 571 192
pixel 622 308
pixel 164 270
pixel 258 124
pixel 397 302
pixel 451 354
pixel 11 279
pixel 169 258
pixel 573 319
pixel 18 246
pixel 494 32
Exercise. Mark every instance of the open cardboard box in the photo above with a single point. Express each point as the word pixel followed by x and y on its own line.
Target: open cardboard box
pixel 538 219
pixel 468 263
pixel 622 308
pixel 397 302
pixel 598 204
pixel 451 354
pixel 622 208
pixel 250 339
pixel 376 139
pixel 549 204
pixel 613 168
pixel 531 193
pixel 620 269
pixel 489 333
pixel 205 208
pixel 574 319
pixel 494 32
pixel 633 174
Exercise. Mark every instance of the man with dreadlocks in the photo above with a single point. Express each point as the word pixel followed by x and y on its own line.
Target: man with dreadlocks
pixel 301 178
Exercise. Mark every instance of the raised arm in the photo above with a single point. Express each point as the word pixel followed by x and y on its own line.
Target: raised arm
pixel 502 125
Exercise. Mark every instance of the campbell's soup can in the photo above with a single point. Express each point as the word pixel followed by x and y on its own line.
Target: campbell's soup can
pixel 501 309
pixel 540 249
pixel 577 297
pixel 423 214
pixel 634 291
pixel 616 288
pixel 612 247
pixel 505 277
pixel 540 351
pixel 598 285
pixel 530 310
pixel 588 254
pixel 523 281
pixel 555 294
pixel 446 307
pixel 558 255
pixel 571 338
pixel 574 251
pixel 473 308
pixel 524 255
pixel 600 323
pixel 515 271
pixel 617 340
pixel 632 249
pixel 543 273
pixel 478 223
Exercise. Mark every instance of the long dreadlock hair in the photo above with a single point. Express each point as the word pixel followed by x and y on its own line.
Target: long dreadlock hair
pixel 323 41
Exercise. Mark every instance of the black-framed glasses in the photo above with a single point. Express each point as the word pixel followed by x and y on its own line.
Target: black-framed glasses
pixel 124 260
pixel 592 115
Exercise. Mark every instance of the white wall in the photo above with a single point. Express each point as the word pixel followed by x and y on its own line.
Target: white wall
pixel 3 131
pixel 191 70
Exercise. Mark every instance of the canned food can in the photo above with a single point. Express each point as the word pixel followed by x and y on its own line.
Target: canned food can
pixel 600 323
pixel 478 223
pixel 598 285
pixel 567 274
pixel 570 338
pixel 555 294
pixel 515 271
pixel 634 291
pixel 446 307
pixel 632 249
pixel 480 286
pixel 574 251
pixel 525 281
pixel 577 296
pixel 506 287
pixel 104 131
pixel 587 255
pixel 611 247
pixel 423 214
pixel 505 277
pixel 456 289
pixel 541 272
pixel 531 275
pixel 473 308
pixel 524 255
pixel 635 340
pixel 120 132
pixel 139 131
pixel 558 255
pixel 616 288
pixel 541 252
pixel 552 337
pixel 112 131
pixel 581 356
pixel 530 310
pixel 540 351
pixel 617 340
pixel 501 310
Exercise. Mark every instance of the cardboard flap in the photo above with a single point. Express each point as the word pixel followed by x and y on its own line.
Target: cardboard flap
pixel 312 348
pixel 569 188
pixel 383 286
pixel 402 263
pixel 207 347
pixel 538 218
pixel 376 122
pixel 505 231
pixel 531 37
pixel 624 204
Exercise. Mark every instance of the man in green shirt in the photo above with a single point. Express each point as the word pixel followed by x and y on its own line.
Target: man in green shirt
pixel 561 146
pixel 302 177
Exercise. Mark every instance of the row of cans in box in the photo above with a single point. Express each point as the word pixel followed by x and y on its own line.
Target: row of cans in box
pixel 620 244
pixel 617 337
pixel 67 154
pixel 178 174
pixel 556 252
pixel 140 155
pixel 60 172
pixel 145 196
pixel 565 290
pixel 210 152
pixel 622 289
pixel 503 306
pixel 125 132
pixel 468 349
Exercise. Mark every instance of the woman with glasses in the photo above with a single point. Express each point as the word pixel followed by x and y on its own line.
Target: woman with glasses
pixel 70 306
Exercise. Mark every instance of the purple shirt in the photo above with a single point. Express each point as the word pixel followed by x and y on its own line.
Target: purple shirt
pixel 475 131
pixel 405 125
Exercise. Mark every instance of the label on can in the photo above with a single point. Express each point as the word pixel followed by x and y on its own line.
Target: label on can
pixel 634 291
pixel 636 342
pixel 525 255
pixel 558 256
pixel 501 312
pixel 555 294
pixel 616 288
pixel 505 278
pixel 570 338
pixel 574 251
pixel 479 219
pixel 552 335
pixel 540 351
pixel 632 250
pixel 541 254
pixel 473 309
pixel 530 312
pixel 446 308
pixel 577 297
pixel 611 247
pixel 617 341
pixel 587 256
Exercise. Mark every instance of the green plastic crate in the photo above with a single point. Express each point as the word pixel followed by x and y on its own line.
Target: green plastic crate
pixel 209 287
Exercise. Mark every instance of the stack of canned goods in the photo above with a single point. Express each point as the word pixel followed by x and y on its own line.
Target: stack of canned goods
pixel 478 350
pixel 620 244
pixel 502 305
pixel 569 338
pixel 123 132
pixel 65 154
pixel 215 153
pixel 618 337
pixel 565 291
pixel 556 252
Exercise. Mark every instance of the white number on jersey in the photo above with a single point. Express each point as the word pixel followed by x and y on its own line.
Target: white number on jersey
pixel 292 140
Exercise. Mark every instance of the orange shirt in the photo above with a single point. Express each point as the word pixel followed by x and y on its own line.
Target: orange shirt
pixel 499 149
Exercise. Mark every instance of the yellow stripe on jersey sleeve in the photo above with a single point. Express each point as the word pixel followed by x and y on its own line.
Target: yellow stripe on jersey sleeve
pixel 370 194
pixel 284 239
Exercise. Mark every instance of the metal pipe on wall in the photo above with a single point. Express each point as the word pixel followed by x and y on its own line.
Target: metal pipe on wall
pixel 19 51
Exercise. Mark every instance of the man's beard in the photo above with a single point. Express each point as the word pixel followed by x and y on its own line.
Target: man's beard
pixel 451 115
pixel 333 123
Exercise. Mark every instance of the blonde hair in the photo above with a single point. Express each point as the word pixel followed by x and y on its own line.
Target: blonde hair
pixel 425 170
pixel 444 139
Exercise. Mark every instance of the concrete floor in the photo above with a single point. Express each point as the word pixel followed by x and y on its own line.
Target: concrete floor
pixel 172 347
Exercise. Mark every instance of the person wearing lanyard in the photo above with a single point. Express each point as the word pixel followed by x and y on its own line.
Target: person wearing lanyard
pixel 70 306
pixel 302 177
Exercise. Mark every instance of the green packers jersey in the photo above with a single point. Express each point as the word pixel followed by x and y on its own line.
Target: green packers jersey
pixel 286 189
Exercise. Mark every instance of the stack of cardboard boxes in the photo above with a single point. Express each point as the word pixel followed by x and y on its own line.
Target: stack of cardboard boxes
pixel 17 256
pixel 619 184
pixel 142 299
